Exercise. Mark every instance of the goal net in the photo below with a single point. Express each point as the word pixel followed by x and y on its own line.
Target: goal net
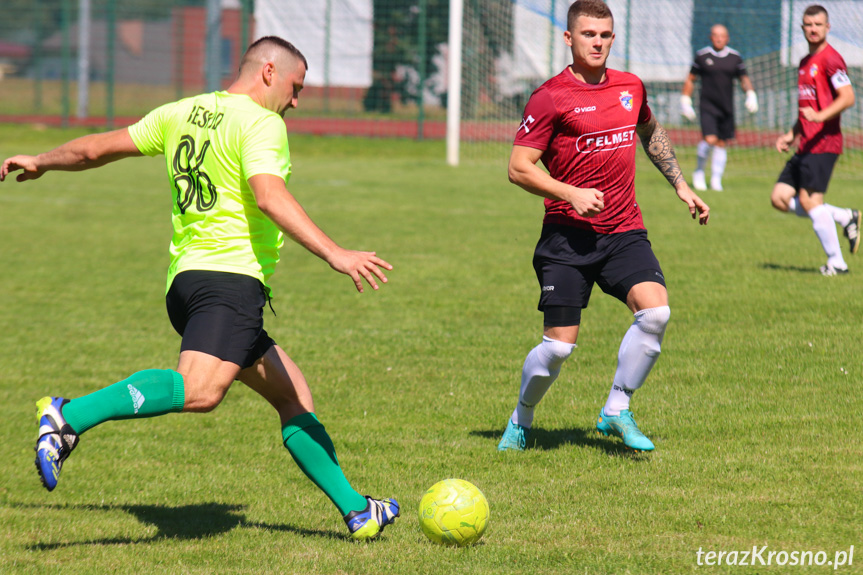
pixel 510 48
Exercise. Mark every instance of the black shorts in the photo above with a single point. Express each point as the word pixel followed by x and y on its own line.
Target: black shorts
pixel 809 171
pixel 715 123
pixel 569 260
pixel 221 314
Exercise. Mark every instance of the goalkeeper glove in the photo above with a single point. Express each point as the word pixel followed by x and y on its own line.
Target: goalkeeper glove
pixel 686 108
pixel 751 102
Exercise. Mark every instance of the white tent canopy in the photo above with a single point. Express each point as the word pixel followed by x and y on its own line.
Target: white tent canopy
pixel 334 35
pixel 662 54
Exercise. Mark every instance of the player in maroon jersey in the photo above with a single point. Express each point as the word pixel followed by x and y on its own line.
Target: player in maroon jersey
pixel 824 92
pixel 584 125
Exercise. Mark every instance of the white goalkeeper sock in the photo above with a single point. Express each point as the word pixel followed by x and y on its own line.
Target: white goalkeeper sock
pixel 638 353
pixel 541 368
pixel 703 150
pixel 717 166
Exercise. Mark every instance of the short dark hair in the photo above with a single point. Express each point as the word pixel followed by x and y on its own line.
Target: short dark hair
pixel 815 9
pixel 281 43
pixel 589 8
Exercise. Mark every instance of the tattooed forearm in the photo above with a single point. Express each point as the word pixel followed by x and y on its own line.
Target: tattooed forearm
pixel 655 140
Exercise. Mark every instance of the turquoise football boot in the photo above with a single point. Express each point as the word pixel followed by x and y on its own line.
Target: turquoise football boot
pixel 623 426
pixel 514 438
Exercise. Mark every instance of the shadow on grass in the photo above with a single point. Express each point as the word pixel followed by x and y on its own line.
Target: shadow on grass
pixel 784 268
pixel 185 522
pixel 547 439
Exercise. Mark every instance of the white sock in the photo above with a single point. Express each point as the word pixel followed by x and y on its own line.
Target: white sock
pixel 703 150
pixel 794 207
pixel 541 368
pixel 720 158
pixel 841 216
pixel 825 229
pixel 638 353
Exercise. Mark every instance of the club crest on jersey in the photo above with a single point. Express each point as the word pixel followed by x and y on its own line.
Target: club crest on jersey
pixel 813 70
pixel 626 101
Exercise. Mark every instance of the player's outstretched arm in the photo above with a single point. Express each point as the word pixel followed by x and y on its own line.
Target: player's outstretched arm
pixel 658 146
pixel 279 205
pixel 82 153
pixel 524 172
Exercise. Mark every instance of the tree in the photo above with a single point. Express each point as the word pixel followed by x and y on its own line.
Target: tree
pixel 396 42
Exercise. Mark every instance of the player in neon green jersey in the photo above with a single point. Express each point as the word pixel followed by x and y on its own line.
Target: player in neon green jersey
pixel 228 165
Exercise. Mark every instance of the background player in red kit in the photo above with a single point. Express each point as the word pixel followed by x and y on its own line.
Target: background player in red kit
pixel 824 92
pixel 584 124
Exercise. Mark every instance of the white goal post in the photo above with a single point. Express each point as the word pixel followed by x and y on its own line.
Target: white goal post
pixel 453 109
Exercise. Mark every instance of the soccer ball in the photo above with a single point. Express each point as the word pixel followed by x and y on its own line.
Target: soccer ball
pixel 453 512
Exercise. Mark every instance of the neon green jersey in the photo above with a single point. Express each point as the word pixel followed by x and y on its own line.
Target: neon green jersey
pixel 213 143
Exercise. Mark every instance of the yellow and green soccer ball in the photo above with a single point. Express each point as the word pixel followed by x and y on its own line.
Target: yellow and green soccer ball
pixel 454 512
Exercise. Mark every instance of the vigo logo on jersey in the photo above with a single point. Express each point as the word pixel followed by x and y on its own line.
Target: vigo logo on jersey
pixel 606 140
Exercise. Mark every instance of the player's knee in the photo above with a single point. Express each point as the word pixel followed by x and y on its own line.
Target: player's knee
pixel 203 403
pixel 210 402
pixel 781 196
pixel 808 202
pixel 653 320
pixel 778 202
pixel 202 397
pixel 555 352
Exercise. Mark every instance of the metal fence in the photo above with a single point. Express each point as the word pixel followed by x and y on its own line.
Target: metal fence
pixel 108 62
pixel 379 67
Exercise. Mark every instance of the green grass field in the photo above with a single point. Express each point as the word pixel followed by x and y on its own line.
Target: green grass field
pixel 754 406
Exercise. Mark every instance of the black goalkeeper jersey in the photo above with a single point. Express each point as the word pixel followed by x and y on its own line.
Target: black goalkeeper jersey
pixel 718 71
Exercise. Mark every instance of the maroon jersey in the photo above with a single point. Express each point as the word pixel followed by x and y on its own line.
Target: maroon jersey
pixel 587 135
pixel 819 76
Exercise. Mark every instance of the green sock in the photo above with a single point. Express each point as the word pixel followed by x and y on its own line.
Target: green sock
pixel 144 394
pixel 312 449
